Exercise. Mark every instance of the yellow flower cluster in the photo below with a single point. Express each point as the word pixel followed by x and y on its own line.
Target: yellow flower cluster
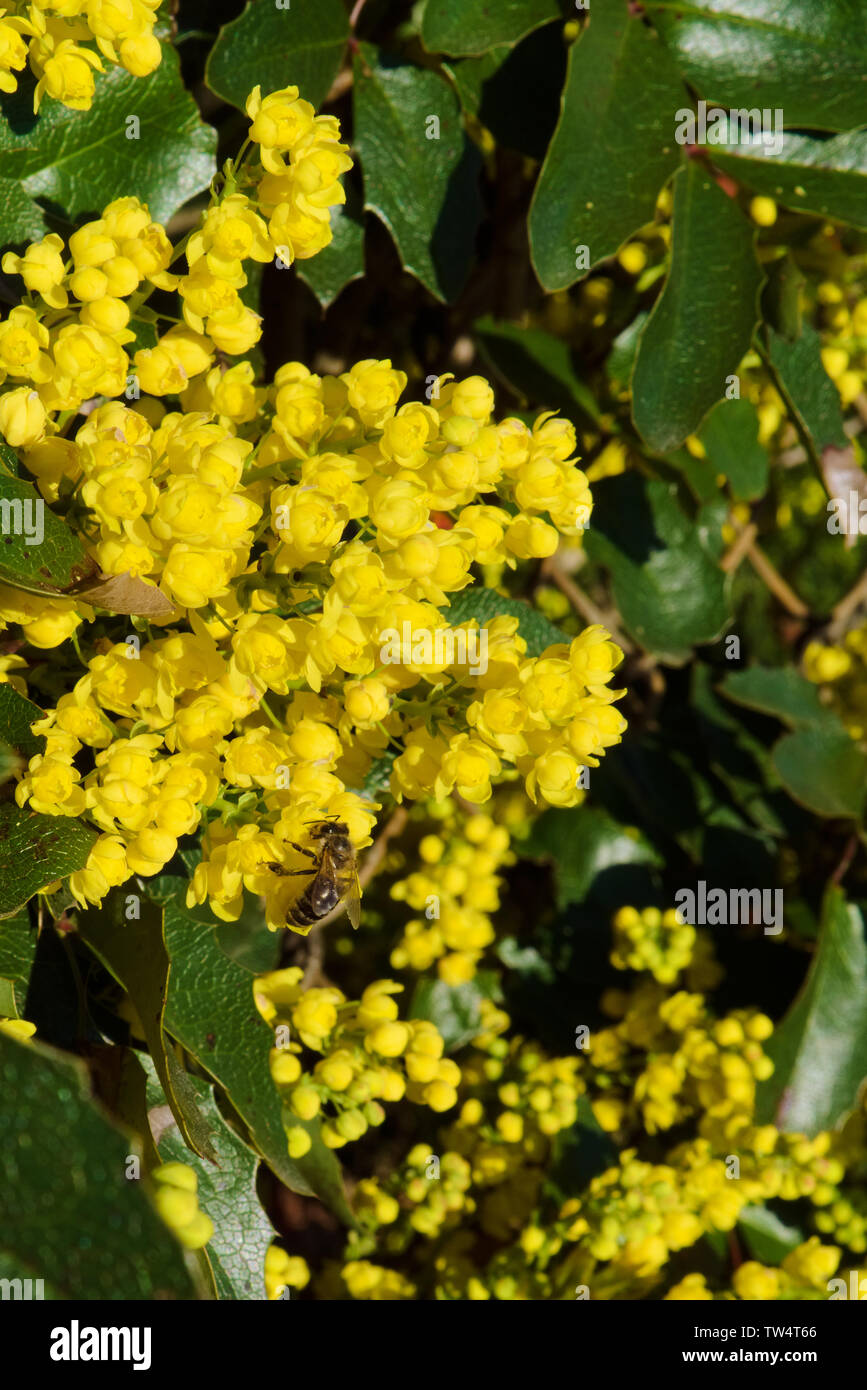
pixel 803 1275
pixel 652 940
pixel 67 341
pixel 284 1272
pixel 65 41
pixel 457 889
pixel 289 531
pixel 376 1283
pixel 191 724
pixel 841 671
pixel 367 1055
pixel 176 1201
pixel 693 1064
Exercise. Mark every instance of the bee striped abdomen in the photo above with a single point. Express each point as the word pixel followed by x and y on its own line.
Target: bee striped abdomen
pixel 317 900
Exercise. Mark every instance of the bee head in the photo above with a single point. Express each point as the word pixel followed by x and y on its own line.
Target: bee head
pixel 322 829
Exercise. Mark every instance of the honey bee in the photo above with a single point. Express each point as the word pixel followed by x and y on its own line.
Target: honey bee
pixel 334 877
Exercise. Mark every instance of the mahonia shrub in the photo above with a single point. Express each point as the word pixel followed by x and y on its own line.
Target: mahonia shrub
pixel 396 502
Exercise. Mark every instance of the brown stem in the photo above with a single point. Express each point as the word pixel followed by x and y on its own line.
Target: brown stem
pixel 842 612
pixel 733 557
pixel 848 856
pixel 773 580
pixel 376 854
pixel 582 604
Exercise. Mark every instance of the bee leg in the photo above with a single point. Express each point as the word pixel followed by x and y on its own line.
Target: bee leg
pixel 302 850
pixel 288 873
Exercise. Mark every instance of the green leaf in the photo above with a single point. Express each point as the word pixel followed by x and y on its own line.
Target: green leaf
pixel 584 842
pixel 301 44
pixel 486 604
pixel 768 1238
pixel 613 149
pixel 21 219
pixel 69 1211
pixel 211 1012
pixel 730 435
pixel 827 177
pixel 580 1153
pixel 781 297
pixel 17 954
pixel 173 159
pixel 515 92
pixel 37 849
pixel 474 26
pixel 809 393
pixel 38 551
pixel 226 1193
pixel 805 58
pixel 621 359
pixel 820 1048
pixel 667 589
pixel 42 555
pixel 455 1009
pixel 16 715
pixel 343 258
pixel 781 691
pixel 133 950
pixel 702 323
pixel 824 770
pixel 818 763
pixel 538 366
pixel 424 190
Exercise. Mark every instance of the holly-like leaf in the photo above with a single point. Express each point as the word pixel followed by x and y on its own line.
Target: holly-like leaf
pixel 824 770
pixel 70 1213
pixel 583 843
pixel 133 950
pixel 342 260
pixel 21 220
pixel 171 150
pixel 486 604
pixel 807 60
pixel 780 691
pixel 817 762
pixel 17 953
pixel 17 714
pixel 667 588
pixel 580 1153
pixel 38 551
pixel 827 177
pixel 35 850
pixel 42 555
pixel 768 1238
pixel 613 149
pixel 211 1012
pixel 226 1193
pixel 420 170
pixel 809 393
pixel 455 1009
pixel 475 26
pixel 820 1048
pixel 299 44
pixel 702 323
pixel 730 436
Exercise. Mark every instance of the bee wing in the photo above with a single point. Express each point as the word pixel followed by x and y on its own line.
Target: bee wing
pixel 353 901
